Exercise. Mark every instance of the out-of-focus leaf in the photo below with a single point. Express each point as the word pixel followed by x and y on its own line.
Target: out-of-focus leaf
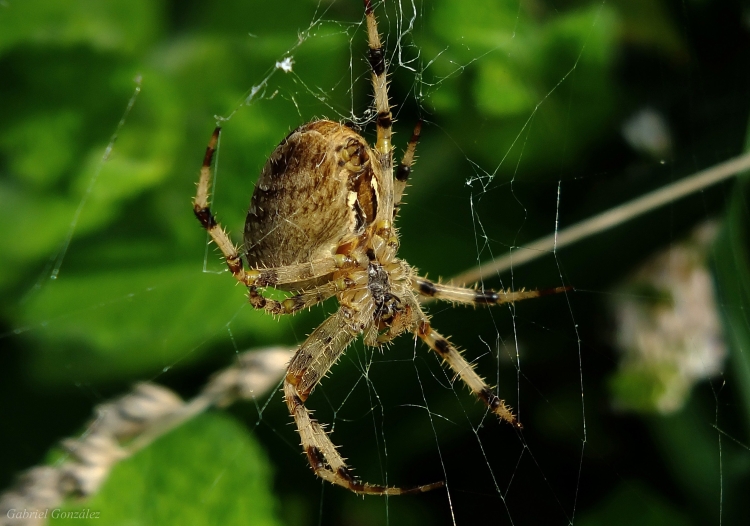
pixel 688 447
pixel 732 266
pixel 122 25
pixel 647 24
pixel 208 471
pixel 499 91
pixel 531 67
pixel 633 503
pixel 43 146
pixel 33 235
pixel 731 263
pixel 641 389
pixel 117 323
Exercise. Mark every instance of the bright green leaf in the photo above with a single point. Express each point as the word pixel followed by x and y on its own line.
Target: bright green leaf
pixel 208 471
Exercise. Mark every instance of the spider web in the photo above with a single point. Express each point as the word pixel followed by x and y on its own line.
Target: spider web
pixel 537 116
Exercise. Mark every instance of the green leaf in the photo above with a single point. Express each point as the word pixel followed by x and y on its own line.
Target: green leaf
pixel 633 503
pixel 640 387
pixel 122 25
pixel 500 92
pixel 119 323
pixel 208 471
pixel 43 146
pixel 533 69
pixel 731 263
pixel 647 24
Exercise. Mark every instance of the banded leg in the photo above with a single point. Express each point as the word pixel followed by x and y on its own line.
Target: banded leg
pixel 466 372
pixel 257 277
pixel 303 300
pixel 311 362
pixel 404 168
pixel 469 296
pixel 297 273
pixel 379 82
pixel 207 219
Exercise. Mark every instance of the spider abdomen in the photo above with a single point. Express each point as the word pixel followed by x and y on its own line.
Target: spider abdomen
pixel 318 190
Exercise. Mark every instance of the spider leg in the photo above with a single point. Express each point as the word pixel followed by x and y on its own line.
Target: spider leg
pixel 468 296
pixel 308 296
pixel 207 219
pixel 466 372
pixel 404 168
pixel 311 362
pixel 304 299
pixel 287 276
pixel 379 82
pixel 384 120
pixel 253 277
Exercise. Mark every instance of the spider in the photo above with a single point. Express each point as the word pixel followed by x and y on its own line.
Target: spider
pixel 321 225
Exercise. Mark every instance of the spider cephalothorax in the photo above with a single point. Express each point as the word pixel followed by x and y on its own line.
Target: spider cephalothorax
pixel 320 225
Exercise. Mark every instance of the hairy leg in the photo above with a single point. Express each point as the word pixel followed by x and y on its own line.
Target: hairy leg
pixel 469 296
pixel 465 371
pixel 311 362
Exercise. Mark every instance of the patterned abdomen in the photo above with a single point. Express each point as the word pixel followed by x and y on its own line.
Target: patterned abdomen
pixel 317 190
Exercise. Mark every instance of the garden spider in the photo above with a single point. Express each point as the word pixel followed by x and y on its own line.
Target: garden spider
pixel 320 225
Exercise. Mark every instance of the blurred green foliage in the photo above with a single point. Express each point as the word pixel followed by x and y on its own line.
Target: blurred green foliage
pixel 523 101
pixel 633 504
pixel 173 466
